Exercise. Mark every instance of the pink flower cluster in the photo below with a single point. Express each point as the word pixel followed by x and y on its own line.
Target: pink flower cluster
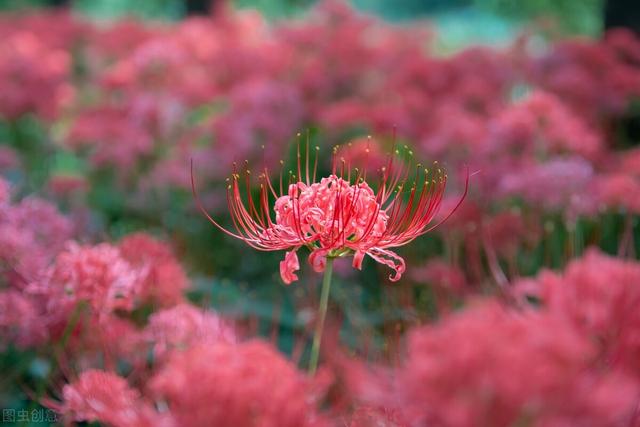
pixel 218 89
pixel 245 384
pixel 494 366
pixel 569 359
pixel 542 128
pixel 85 299
pixel 35 71
pixel 49 278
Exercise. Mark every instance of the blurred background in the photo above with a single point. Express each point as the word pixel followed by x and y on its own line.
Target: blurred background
pixel 104 103
pixel 493 21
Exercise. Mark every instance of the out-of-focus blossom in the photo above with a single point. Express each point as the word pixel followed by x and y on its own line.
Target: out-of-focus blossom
pixel 97 275
pixel 491 366
pixel 541 123
pixel 598 294
pixel 109 340
pixel 62 30
pixel 625 44
pixel 106 397
pixel 261 113
pixel 164 281
pixel 5 191
pixel 440 273
pixel 185 326
pixel 65 185
pixel 595 80
pixel 619 191
pixel 364 154
pixel 246 384
pixel 558 184
pixel 20 321
pixel 32 232
pixel 112 135
pixel 116 40
pixel 372 416
pixel 630 162
pixel 34 77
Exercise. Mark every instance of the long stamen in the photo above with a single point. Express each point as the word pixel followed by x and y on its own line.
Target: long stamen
pixel 315 163
pixel 201 208
pixel 306 171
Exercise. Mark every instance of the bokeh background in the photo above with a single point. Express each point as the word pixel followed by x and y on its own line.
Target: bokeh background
pixel 104 104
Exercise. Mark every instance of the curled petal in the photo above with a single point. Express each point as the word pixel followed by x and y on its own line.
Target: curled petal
pixel 390 259
pixel 318 259
pixel 357 259
pixel 288 266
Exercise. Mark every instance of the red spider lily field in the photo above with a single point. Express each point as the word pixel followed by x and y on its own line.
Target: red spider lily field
pixel 324 220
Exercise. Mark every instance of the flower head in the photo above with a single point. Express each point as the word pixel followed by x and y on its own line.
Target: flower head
pixel 492 366
pixel 246 384
pixel 104 396
pixel 339 215
pixel 184 326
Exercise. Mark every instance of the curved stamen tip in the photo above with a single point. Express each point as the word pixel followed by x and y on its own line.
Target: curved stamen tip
pixel 203 210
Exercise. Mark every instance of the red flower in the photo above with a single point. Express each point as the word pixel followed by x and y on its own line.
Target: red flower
pixel 164 280
pixel 341 215
pixel 488 365
pixel 185 325
pixel 106 397
pixel 243 385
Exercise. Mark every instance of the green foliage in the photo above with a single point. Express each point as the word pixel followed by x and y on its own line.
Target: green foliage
pixel 20 4
pixel 149 9
pixel 573 16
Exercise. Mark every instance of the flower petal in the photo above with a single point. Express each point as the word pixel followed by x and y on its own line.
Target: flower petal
pixel 390 259
pixel 318 259
pixel 288 266
pixel 357 259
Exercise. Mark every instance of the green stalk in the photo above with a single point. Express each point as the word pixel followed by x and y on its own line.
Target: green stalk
pixel 322 314
pixel 71 325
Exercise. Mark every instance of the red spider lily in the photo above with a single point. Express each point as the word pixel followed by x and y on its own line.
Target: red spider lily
pixel 341 215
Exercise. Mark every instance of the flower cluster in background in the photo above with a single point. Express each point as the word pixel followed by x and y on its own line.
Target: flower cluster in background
pixel 119 304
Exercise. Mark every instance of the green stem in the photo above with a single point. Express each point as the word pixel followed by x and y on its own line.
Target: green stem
pixel 322 313
pixel 71 324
